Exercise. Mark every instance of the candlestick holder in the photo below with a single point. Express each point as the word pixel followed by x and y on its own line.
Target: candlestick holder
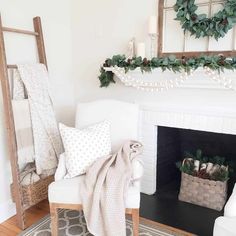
pixel 153 46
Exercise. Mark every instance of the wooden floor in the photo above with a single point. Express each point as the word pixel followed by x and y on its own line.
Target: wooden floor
pixel 9 227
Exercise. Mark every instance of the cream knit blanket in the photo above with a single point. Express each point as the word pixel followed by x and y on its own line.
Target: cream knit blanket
pixel 104 188
pixel 47 140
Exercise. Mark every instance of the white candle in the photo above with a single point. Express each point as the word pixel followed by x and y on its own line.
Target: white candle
pixel 196 165
pixel 152 25
pixel 141 50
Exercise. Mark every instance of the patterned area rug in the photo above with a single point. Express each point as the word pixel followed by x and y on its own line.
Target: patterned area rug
pixel 72 223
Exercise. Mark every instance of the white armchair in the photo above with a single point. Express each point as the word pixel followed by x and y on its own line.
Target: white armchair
pixel 226 225
pixel 64 193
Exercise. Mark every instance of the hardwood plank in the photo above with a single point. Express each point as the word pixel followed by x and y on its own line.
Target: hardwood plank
pixel 33 214
pixel 6 232
pixel 13 227
pixel 172 229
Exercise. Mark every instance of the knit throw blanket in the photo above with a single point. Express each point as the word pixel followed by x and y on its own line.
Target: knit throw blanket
pixel 104 188
pixel 47 141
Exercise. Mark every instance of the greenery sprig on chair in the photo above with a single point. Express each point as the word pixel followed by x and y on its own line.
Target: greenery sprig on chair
pixel 171 63
pixel 202 26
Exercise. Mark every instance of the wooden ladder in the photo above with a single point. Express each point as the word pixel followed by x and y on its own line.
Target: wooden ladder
pixel 11 136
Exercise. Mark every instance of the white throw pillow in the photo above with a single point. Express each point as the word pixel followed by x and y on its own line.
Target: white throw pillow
pixel 84 146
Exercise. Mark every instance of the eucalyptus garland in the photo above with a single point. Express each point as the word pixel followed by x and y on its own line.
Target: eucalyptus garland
pixel 214 168
pixel 202 26
pixel 216 62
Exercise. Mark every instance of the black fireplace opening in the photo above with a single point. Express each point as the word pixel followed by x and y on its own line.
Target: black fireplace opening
pixel 164 206
pixel 172 145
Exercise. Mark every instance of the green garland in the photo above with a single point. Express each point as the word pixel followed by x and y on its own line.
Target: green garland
pixel 171 63
pixel 201 26
pixel 221 174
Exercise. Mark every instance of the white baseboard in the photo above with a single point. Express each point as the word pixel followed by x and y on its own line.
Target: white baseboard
pixel 7 210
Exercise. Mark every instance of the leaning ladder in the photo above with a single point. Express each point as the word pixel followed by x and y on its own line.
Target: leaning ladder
pixel 11 137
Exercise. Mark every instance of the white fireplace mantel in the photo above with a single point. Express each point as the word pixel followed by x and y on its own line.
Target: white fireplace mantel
pixel 213 113
pixel 199 79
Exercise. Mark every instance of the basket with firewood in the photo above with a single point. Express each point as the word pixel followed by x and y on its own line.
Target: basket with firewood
pixel 204 180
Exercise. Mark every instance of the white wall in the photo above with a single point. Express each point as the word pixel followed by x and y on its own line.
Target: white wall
pixel 100 30
pixel 103 28
pixel 56 20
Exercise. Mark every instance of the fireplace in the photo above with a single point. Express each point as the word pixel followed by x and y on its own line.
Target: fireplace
pixel 163 206
pixel 167 130
pixel 174 142
pixel 188 118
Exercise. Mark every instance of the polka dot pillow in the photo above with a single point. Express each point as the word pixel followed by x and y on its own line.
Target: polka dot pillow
pixel 84 146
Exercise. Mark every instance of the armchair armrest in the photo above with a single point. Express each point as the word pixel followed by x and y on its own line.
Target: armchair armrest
pixel 61 168
pixel 137 166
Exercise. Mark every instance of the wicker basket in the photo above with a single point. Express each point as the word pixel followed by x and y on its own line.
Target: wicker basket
pixel 203 192
pixel 34 193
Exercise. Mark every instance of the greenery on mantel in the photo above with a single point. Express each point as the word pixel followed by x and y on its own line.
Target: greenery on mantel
pixel 215 62
pixel 201 26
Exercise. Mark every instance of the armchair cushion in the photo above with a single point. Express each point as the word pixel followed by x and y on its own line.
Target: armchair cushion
pixel 67 191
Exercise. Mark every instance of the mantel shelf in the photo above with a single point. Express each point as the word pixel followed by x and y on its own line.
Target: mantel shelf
pixel 198 80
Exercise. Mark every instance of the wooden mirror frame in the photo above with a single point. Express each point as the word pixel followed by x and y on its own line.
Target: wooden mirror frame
pixel 180 54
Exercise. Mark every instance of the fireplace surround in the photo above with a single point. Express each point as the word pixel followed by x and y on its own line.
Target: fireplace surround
pixel 210 117
pixel 196 111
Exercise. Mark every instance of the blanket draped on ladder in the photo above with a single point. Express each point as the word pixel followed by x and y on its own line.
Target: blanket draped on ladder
pixel 24 134
pixel 47 141
pixel 104 188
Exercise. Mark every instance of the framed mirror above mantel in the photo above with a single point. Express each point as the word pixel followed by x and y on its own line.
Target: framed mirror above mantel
pixel 172 39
